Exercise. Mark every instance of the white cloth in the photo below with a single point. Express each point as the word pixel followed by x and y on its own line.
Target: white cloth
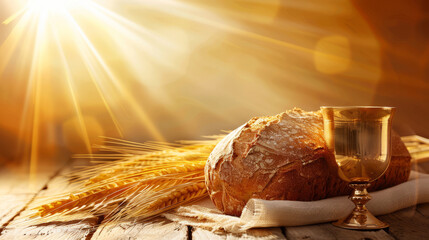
pixel 265 213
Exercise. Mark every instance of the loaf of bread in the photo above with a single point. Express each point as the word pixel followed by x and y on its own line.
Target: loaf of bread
pixel 284 157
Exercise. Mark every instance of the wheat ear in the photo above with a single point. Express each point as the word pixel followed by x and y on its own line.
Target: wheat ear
pixel 150 179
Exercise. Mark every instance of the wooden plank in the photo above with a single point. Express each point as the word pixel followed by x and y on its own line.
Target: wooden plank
pixel 158 228
pixel 70 229
pixel 407 224
pixel 264 234
pixel 11 205
pixel 423 209
pixel 328 231
pixel 16 191
pixel 61 230
pixel 20 183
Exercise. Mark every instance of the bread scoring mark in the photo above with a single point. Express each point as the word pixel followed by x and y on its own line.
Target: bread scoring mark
pixel 224 147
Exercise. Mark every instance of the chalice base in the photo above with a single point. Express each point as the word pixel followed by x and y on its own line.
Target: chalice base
pixel 361 221
pixel 360 218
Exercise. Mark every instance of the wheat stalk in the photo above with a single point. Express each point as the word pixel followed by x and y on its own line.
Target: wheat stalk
pixel 184 194
pixel 151 178
pixel 166 200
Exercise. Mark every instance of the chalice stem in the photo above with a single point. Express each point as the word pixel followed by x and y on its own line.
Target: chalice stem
pixel 360 217
pixel 360 197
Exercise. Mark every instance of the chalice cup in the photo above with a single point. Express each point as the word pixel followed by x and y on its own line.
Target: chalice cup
pixel 359 138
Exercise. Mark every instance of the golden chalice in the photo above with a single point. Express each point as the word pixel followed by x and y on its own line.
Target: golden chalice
pixel 359 137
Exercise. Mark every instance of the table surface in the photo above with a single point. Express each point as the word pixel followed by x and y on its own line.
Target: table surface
pixel 17 196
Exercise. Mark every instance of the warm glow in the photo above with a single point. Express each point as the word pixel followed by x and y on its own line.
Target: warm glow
pixel 172 69
pixel 332 55
pixel 54 5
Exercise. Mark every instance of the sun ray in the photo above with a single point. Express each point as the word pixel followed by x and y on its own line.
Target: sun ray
pixel 188 12
pixel 132 31
pixel 35 80
pixel 73 92
pixel 9 46
pixel 135 65
pixel 14 16
pixel 93 77
pixel 99 88
pixel 201 16
pixel 117 84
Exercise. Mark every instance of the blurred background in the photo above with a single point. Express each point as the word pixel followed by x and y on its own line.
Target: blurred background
pixel 166 70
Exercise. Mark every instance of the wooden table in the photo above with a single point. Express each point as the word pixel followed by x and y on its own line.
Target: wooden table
pixel 16 197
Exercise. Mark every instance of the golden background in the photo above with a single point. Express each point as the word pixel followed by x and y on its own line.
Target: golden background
pixel 71 71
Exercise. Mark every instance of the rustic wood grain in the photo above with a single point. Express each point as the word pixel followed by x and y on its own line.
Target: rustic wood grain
pixel 407 224
pixel 11 205
pixel 79 227
pixel 264 234
pixel 21 183
pixel 17 189
pixel 16 197
pixel 56 231
pixel 158 228
pixel 328 231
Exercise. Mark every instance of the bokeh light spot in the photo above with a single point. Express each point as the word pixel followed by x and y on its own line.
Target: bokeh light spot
pixel 332 54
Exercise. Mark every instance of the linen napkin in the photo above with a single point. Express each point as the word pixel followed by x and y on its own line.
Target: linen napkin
pixel 269 213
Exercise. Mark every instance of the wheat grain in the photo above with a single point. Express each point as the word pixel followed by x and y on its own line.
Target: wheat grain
pixel 148 171
pixel 81 199
pixel 125 185
pixel 178 196
pixel 160 177
pixel 149 205
pixel 143 163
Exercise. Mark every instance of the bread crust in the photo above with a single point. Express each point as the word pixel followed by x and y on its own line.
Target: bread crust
pixel 284 157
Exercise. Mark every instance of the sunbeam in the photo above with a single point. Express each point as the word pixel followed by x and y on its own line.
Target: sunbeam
pixel 172 69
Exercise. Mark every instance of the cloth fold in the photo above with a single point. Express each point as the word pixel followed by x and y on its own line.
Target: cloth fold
pixel 275 213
